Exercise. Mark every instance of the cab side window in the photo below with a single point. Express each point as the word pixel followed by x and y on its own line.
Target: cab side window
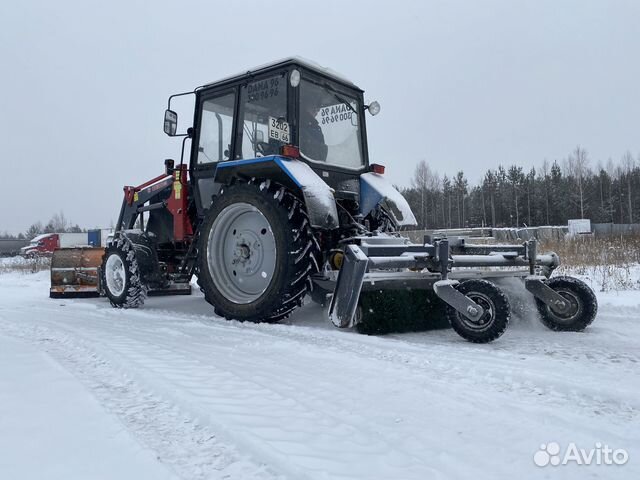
pixel 216 125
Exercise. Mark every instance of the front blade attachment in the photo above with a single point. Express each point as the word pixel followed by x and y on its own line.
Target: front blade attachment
pixel 342 310
pixel 74 272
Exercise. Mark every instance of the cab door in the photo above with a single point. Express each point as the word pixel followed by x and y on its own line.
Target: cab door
pixel 214 141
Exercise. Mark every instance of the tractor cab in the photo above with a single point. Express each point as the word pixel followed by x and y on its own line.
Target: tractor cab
pixel 292 108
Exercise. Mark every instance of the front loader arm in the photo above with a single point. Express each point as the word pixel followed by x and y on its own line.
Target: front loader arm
pixel 135 199
pixel 169 191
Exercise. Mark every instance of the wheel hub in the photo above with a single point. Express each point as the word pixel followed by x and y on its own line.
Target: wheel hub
pixel 115 275
pixel 570 308
pixel 241 252
pixel 483 321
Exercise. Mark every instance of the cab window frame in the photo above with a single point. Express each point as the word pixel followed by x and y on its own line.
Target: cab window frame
pixel 340 89
pixel 205 97
pixel 289 107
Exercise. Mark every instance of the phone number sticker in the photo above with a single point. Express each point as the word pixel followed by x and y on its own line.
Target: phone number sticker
pixel 279 130
pixel 335 113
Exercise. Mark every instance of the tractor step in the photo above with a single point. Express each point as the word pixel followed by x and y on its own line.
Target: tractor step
pixel 173 289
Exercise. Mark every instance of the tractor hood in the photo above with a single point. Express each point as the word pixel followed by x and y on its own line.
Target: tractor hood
pixel 375 190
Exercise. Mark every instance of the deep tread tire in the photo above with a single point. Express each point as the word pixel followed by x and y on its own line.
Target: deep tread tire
pixel 577 292
pixel 497 317
pixel 297 252
pixel 135 291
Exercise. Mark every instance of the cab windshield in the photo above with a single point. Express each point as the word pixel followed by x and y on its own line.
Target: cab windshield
pixel 329 125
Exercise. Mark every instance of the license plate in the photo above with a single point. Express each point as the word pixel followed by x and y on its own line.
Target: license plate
pixel 279 130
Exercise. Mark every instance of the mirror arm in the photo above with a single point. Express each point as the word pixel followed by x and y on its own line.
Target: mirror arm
pixel 171 97
pixel 178 95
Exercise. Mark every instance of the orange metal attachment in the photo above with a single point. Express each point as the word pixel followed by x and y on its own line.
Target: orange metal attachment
pixel 74 272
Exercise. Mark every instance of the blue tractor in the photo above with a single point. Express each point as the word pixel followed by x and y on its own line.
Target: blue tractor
pixel 278 201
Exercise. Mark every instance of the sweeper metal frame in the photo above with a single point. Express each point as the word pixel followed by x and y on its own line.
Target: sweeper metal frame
pixel 388 263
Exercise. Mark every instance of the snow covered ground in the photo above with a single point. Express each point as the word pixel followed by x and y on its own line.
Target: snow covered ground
pixel 170 391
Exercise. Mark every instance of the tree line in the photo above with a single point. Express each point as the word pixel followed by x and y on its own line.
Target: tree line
pixel 512 197
pixel 505 197
pixel 58 223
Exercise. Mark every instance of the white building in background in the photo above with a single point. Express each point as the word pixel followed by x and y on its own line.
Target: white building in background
pixel 579 226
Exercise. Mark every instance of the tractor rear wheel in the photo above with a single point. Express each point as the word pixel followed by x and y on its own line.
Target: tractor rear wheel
pixel 583 306
pixel 120 275
pixel 256 253
pixel 497 312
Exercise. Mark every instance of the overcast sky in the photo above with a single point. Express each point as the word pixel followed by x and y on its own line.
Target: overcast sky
pixel 464 85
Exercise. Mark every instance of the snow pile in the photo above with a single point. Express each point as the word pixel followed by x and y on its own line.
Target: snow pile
pixel 24 265
pixel 606 277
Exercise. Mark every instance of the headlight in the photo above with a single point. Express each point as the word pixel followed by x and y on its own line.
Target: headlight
pixel 374 108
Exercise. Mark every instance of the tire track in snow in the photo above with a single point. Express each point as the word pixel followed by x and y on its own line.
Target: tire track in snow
pixel 494 365
pixel 154 340
pixel 291 436
pixel 189 448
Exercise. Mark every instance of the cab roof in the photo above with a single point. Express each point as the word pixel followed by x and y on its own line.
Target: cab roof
pixel 296 60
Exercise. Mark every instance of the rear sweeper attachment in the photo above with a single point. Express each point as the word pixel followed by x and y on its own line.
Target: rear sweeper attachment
pixel 459 275
pixel 278 201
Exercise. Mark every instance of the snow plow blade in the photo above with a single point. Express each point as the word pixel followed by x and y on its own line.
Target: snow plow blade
pixel 75 272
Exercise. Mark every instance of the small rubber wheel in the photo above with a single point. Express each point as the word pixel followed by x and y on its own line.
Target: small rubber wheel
pixel 583 306
pixel 493 322
pixel 120 275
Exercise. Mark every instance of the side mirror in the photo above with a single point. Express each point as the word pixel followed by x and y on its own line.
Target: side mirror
pixel 170 122
pixel 259 136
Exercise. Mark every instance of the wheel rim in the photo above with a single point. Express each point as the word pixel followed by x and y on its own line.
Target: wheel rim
pixel 571 313
pixel 487 317
pixel 115 275
pixel 241 253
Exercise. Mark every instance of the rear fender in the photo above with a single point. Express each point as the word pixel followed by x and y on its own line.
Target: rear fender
pixel 294 174
pixel 375 190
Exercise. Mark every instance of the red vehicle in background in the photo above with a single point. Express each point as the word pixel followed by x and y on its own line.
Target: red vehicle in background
pixel 45 244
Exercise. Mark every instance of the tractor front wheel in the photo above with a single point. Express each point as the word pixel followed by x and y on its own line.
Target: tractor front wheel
pixel 256 253
pixel 120 275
